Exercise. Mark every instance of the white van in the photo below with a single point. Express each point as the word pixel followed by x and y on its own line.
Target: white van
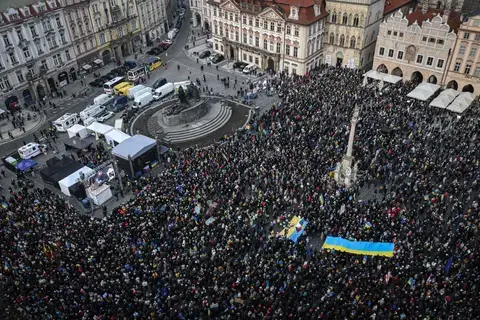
pixel 31 150
pixel 172 33
pixel 143 100
pixel 66 121
pixel 141 92
pixel 91 111
pixel 119 124
pixel 183 84
pixel 89 121
pixel 102 99
pixel 250 68
pixel 163 91
pixel 131 92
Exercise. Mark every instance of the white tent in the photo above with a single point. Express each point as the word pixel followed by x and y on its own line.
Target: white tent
pixel 115 137
pixel 462 102
pixel 73 178
pixel 390 78
pixel 424 91
pixel 380 76
pixel 372 74
pixel 445 98
pixel 77 130
pixel 99 128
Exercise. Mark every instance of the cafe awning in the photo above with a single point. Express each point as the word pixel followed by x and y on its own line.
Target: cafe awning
pixel 98 61
pixel 87 67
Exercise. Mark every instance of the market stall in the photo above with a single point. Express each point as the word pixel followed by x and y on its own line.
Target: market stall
pixel 115 137
pixel 77 130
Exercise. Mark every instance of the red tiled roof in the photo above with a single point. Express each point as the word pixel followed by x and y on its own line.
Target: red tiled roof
pixel 417 15
pixel 392 5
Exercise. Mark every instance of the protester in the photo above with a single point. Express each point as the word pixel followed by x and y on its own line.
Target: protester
pixel 160 256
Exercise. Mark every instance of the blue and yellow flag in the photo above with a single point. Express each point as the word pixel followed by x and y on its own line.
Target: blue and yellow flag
pixel 360 247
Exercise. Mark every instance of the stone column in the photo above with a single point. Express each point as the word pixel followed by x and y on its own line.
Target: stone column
pixel 352 132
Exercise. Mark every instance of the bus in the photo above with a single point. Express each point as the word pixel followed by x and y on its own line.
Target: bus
pixel 108 86
pixel 119 86
pixel 153 63
pixel 135 74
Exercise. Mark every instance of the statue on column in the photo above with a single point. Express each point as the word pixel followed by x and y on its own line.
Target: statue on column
pixel 343 172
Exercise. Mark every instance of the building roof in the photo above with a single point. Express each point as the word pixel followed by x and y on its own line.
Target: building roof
pixel 6 4
pixel 418 16
pixel 393 5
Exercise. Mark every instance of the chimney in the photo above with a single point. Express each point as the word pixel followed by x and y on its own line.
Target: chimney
pixel 410 10
pixel 424 7
pixel 446 15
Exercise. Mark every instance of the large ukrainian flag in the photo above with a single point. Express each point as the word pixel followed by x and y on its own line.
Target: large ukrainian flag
pixel 360 247
pixel 295 229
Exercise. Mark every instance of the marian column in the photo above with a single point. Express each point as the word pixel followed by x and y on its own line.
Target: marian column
pixel 343 172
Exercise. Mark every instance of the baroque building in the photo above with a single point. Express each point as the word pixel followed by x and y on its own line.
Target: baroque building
pixel 274 35
pixel 153 19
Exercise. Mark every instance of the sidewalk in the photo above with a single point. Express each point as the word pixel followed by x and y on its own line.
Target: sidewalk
pixel 30 125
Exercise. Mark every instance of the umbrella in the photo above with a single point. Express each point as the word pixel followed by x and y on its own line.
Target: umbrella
pixel 26 164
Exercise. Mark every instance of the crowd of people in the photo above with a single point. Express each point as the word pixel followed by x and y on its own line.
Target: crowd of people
pixel 199 241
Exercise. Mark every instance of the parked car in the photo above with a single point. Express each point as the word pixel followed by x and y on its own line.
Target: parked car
pixel 105 78
pixel 168 41
pixel 204 54
pixel 130 64
pixel 217 58
pixel 104 116
pixel 97 83
pixel 119 104
pixel 154 51
pixel 111 74
pixel 120 71
pixel 242 66
pixel 164 46
pixel 159 82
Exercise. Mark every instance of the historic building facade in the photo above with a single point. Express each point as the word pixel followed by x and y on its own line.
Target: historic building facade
pixel 273 35
pixel 80 27
pixel 464 67
pixel 352 31
pixel 416 46
pixel 117 28
pixel 153 19
pixel 36 53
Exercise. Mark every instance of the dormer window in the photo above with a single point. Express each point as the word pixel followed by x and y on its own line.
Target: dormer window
pixel 316 9
pixel 26 11
pixel 13 16
pixel 293 13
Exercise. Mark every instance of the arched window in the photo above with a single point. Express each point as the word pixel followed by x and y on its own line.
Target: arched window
pixel 334 17
pixel 352 42
pixel 342 40
pixel 345 19
pixel 355 21
pixel 332 38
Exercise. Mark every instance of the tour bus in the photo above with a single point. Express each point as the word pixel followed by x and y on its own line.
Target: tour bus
pixel 135 74
pixel 118 87
pixel 153 63
pixel 31 150
pixel 91 111
pixel 108 86
pixel 66 121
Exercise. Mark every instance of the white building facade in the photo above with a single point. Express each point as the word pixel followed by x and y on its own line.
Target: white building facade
pixel 417 51
pixel 153 19
pixel 272 35
pixel 352 31
pixel 36 54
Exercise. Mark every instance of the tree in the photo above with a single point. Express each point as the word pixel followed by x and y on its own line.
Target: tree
pixel 181 95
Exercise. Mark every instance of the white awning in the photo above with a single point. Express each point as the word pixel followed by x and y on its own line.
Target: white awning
pixel 99 128
pixel 87 67
pixel 424 91
pixel 445 98
pixel 462 102
pixel 98 61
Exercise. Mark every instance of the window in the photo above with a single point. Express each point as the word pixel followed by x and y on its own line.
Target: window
pixel 257 23
pixel 236 17
pixel 26 53
pixel 31 71
pixel 13 58
pixel 6 41
pixel 400 55
pixel 477 71
pixel 355 21
pixel 52 43
pixel 389 32
pixel 57 59
pixel 297 31
pixel 390 53
pixel 473 52
pixel 256 61
pixel 342 40
pixel 62 38
pixel 5 83
pixel 59 22
pixel 462 49
pixel 250 40
pixel 250 59
pixel 46 25
pixel 401 35
pixel 294 71
pixel 244 19
pixel 244 57
pixel 272 26
pixel 250 21
pixel 440 41
pixel 231 16
pixel 257 42
pixel 237 36
pixel 279 27
pixel 332 38
pixel 457 67
pixel 102 38
pixel 381 52
pixel 468 67
pixel 334 17
pixel 345 18
pixel 419 58
pixel 38 45
pixel 265 25
pixel 466 35
pixel 431 40
pixel 67 55
pixel 33 31
pixel 424 39
pixel 295 52
pixel 352 42
pixel 265 44
pixel 287 50
pixel 278 47
pixel 214 12
pixel 395 33
pixel 20 76
pixel 477 37
pixel 429 61
pixel 221 30
pixel 226 15
pixel 440 63
pixel 289 29
pixel 19 34
pixel 216 46
pixel 244 38
pixel 271 46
